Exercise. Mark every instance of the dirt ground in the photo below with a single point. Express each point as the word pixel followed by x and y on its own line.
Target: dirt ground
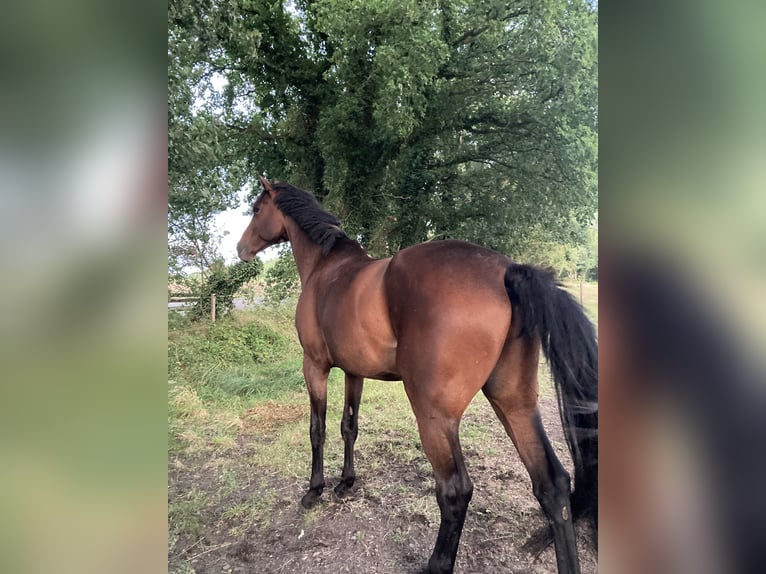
pixel 388 523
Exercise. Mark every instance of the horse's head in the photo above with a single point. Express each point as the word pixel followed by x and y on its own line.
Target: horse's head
pixel 267 227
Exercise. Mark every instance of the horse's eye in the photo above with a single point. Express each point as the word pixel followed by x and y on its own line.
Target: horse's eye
pixel 256 210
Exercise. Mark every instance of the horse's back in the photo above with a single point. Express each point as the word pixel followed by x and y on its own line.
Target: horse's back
pixel 446 273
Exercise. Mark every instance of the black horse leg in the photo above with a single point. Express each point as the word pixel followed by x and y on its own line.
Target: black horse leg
pixel 551 488
pixel 349 430
pixel 550 481
pixel 316 382
pixel 453 489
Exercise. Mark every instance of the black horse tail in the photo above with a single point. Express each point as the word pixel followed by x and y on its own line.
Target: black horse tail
pixel 568 340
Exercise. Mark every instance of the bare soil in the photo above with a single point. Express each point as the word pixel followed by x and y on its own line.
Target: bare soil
pixel 387 524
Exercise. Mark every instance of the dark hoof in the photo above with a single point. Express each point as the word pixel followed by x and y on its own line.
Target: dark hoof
pixel 436 566
pixel 343 488
pixel 310 499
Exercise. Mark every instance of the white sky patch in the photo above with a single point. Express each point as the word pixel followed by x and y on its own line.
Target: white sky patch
pixel 219 81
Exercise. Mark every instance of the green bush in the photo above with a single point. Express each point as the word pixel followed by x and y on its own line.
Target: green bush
pixel 227 343
pixel 254 354
pixel 282 281
pixel 224 281
pixel 176 320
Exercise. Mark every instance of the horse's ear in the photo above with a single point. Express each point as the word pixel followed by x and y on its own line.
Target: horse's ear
pixel 266 185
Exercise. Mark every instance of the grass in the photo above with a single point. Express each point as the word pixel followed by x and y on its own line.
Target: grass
pixel 589 298
pixel 217 371
pixel 238 421
pixel 184 513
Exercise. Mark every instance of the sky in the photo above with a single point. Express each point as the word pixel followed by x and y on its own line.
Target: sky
pixel 231 223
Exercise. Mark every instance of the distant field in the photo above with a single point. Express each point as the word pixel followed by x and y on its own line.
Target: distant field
pixel 589 297
pixel 239 460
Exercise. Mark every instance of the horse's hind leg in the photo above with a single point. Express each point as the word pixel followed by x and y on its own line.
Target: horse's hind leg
pixel 513 395
pixel 550 482
pixel 349 430
pixel 439 435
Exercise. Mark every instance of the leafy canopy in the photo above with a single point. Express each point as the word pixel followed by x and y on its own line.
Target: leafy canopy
pixel 411 119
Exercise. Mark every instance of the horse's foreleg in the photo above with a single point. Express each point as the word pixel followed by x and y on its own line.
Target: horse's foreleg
pixel 316 383
pixel 349 430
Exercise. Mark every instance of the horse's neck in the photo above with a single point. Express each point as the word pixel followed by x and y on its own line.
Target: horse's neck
pixel 308 255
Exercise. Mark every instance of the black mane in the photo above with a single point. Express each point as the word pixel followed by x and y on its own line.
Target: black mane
pixel 322 228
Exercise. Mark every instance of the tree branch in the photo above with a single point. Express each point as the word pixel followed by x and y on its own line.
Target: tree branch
pixel 470 35
pixel 248 130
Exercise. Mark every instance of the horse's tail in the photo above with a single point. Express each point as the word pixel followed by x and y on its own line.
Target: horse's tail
pixel 568 340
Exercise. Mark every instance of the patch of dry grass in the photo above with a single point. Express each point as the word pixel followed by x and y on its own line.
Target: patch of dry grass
pixel 272 415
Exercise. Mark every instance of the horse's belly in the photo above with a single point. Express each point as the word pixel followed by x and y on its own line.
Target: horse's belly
pixel 366 356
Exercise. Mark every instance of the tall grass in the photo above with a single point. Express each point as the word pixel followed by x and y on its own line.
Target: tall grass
pixel 217 371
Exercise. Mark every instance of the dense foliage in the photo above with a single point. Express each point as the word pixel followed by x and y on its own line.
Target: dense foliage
pixel 411 120
pixel 281 280
pixel 224 281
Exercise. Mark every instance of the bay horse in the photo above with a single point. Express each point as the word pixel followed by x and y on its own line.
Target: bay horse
pixel 448 318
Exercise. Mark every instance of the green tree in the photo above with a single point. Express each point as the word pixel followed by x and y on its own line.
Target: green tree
pixel 588 262
pixel 204 166
pixel 474 119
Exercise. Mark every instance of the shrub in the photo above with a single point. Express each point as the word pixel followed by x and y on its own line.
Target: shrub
pixel 282 281
pixel 224 281
pixel 244 354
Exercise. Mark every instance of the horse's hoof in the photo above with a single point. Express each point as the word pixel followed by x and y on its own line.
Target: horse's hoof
pixel 310 499
pixel 343 488
pixel 436 566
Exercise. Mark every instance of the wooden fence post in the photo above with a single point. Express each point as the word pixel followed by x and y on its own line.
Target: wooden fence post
pixel 212 306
